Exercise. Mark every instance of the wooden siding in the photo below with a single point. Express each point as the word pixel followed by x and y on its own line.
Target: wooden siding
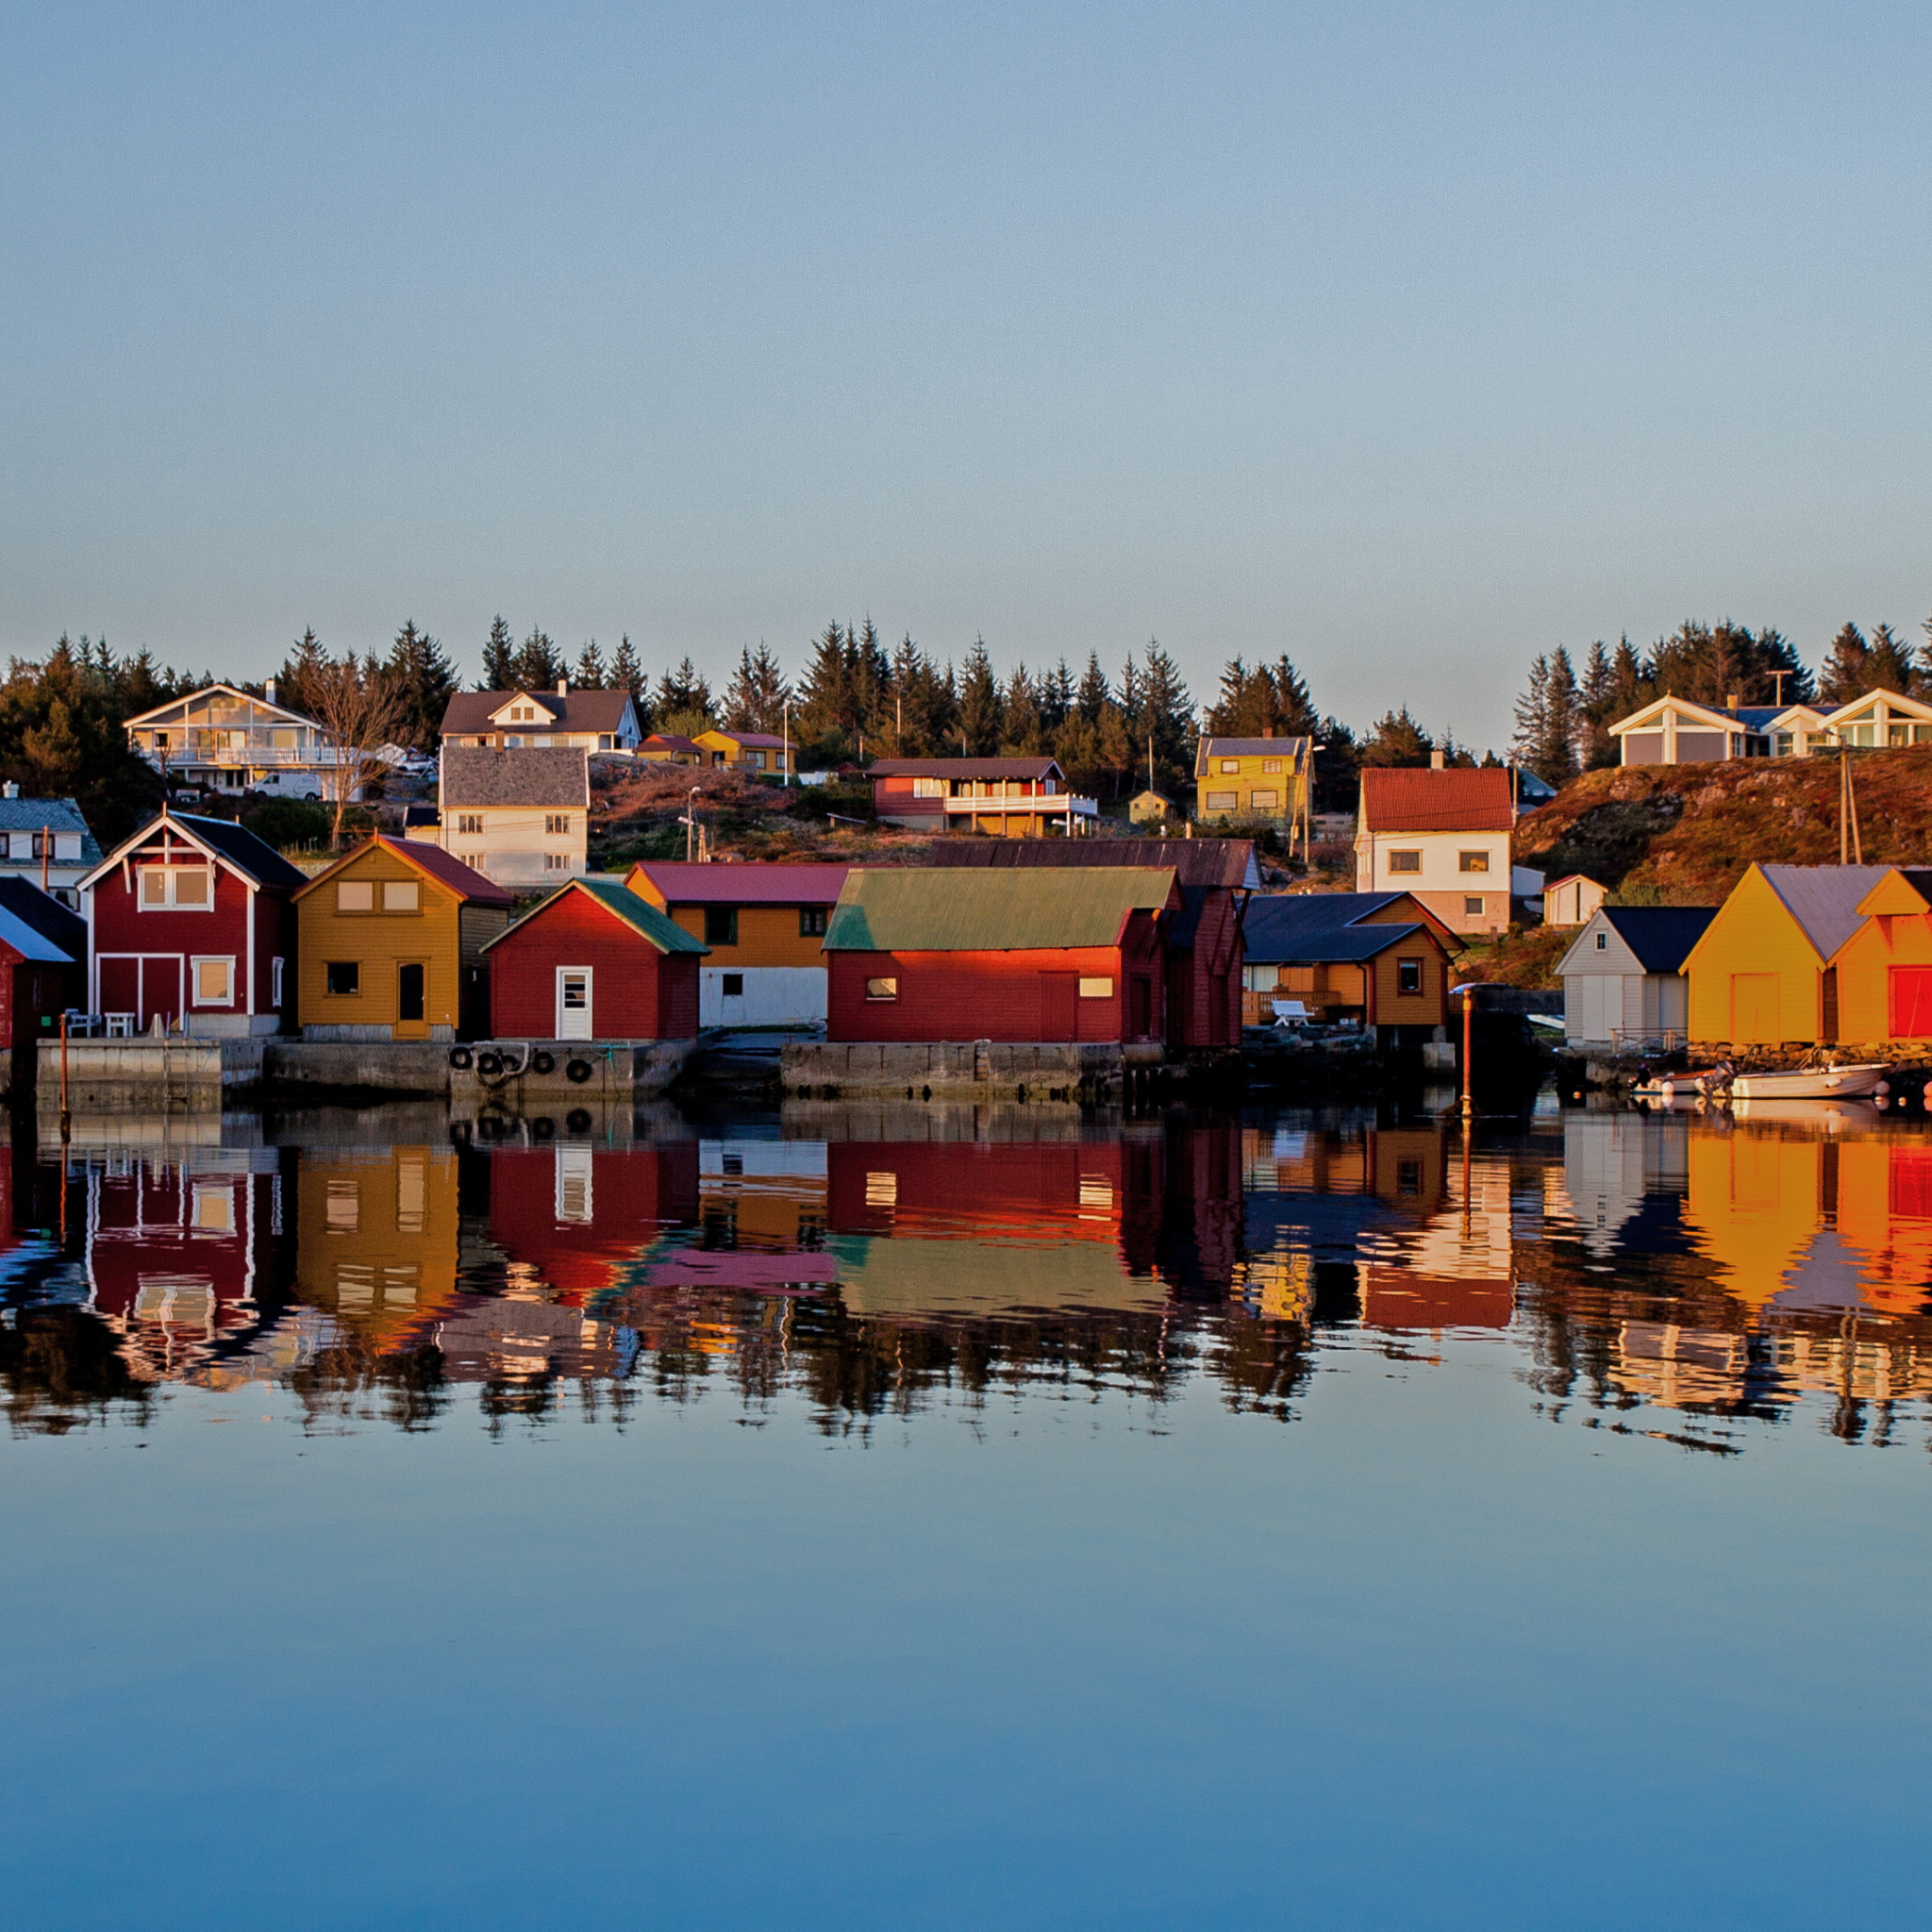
pixel 767 936
pixel 1865 964
pixel 381 944
pixel 637 992
pixel 1752 938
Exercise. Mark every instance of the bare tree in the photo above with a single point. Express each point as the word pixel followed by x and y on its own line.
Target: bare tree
pixel 358 709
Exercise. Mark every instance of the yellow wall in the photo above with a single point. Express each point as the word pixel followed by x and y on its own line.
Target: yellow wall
pixel 377 1236
pixel 1753 1206
pixel 1864 971
pixel 1752 938
pixel 771 756
pixel 1286 784
pixel 379 942
pixel 767 936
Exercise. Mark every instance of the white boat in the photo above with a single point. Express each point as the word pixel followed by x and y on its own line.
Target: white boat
pixel 1811 1083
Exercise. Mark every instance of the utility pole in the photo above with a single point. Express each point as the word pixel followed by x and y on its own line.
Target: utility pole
pixel 1777 678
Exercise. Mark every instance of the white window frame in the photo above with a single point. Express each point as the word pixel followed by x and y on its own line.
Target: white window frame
pixel 889 982
pixel 589 975
pixel 1407 852
pixel 1098 987
pixel 169 874
pixel 196 962
pixel 412 887
pixel 345 885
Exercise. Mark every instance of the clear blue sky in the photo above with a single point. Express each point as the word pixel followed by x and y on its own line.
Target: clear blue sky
pixel 1408 340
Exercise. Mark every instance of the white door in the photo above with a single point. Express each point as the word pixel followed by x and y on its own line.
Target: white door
pixel 574 1002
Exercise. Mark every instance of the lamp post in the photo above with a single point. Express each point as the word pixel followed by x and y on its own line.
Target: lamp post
pixel 691 823
pixel 1468 992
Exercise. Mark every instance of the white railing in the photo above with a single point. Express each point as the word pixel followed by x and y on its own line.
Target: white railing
pixel 1055 805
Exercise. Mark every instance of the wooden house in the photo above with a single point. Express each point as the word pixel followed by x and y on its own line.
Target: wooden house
pixel 757 754
pixel 1442 836
pixel 1674 731
pixel 1203 945
pixel 391 942
pixel 520 817
pixel 190 923
pixel 669 748
pixel 1884 969
pixel 1243 780
pixel 594 961
pixel 1008 797
pixel 765 925
pixel 39 979
pixel 1047 953
pixel 1624 980
pixel 233 742
pixel 1570 900
pixel 1152 808
pixel 1380 960
pixel 543 720
pixel 1763 972
pixel 45 840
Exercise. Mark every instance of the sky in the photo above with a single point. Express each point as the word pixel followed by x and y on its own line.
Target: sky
pixel 1409 340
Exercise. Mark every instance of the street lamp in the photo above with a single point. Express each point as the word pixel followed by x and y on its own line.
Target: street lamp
pixel 1467 990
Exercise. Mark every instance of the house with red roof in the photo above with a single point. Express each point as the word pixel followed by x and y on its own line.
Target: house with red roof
pixel 1440 836
pixel 1008 797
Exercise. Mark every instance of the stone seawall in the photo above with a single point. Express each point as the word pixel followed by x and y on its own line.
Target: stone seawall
pixel 1051 1071
pixel 149 1076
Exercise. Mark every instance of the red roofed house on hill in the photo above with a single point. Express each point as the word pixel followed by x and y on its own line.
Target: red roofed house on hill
pixel 1010 797
pixel 1440 836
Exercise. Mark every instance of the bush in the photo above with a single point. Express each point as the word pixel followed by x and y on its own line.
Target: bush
pixel 286 822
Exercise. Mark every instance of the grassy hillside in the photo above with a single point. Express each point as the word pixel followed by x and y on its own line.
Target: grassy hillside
pixel 1682 835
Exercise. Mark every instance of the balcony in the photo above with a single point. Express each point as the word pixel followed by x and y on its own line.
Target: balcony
pixel 1051 804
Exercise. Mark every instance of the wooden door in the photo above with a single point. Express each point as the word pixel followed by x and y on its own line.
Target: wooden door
pixel 1911 1002
pixel 160 990
pixel 411 1017
pixel 1059 1004
pixel 573 1015
pixel 1754 1009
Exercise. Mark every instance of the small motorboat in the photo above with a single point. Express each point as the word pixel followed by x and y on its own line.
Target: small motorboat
pixel 1695 1085
pixel 1813 1083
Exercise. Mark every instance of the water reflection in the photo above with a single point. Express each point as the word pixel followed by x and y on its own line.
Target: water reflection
pixel 879 1262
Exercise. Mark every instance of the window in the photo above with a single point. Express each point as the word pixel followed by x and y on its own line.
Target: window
pixel 355 896
pixel 400 895
pixel 1473 906
pixel 929 788
pixel 1472 861
pixel 1408 977
pixel 812 920
pixel 1269 766
pixel 1603 943
pixel 1264 801
pixel 274 983
pixel 1404 861
pixel 1096 989
pixel 214 1209
pixel 733 988
pixel 1229 767
pixel 1220 801
pixel 182 887
pixel 756 759
pixel 882 989
pixel 556 824
pixel 557 862
pixel 345 976
pixel 721 925
pixel 470 823
pixel 214 982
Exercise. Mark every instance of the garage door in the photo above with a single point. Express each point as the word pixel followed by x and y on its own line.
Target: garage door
pixel 1754 1009
pixel 1593 1005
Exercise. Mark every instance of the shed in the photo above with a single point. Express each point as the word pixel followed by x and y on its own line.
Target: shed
pixel 39 979
pixel 1571 900
pixel 1380 959
pixel 391 944
pixel 1762 972
pixel 1884 969
pixel 594 961
pixel 190 923
pixel 1622 978
pixel 1007 954
pixel 765 925
pixel 1151 809
pixel 1203 946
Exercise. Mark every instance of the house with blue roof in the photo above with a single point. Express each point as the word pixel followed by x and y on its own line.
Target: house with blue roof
pixel 1378 961
pixel 47 841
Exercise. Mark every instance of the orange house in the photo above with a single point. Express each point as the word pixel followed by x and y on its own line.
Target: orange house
pixel 1885 968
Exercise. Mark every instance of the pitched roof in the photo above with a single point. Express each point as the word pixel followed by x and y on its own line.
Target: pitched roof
pixel 1399 799
pixel 1226 862
pixel 55 814
pixel 672 742
pixel 53 921
pixel 475 775
pixel 1660 936
pixel 163 714
pixel 742 885
pixel 32 944
pixel 929 910
pixel 243 851
pixel 1246 748
pixel 662 932
pixel 1823 899
pixel 757 737
pixel 444 867
pixel 575 710
pixel 963 768
pixel 1305 929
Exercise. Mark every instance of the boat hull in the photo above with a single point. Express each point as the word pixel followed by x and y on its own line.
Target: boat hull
pixel 1808 1083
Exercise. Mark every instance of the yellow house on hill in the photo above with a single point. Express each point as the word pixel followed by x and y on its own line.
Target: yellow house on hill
pixel 1238 778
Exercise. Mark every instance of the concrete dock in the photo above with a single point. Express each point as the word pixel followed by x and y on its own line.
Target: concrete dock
pixel 1067 1072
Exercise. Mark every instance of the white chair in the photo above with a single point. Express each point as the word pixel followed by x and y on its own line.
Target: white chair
pixel 120 1026
pixel 1290 1012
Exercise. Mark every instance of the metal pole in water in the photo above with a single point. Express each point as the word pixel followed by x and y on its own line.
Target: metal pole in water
pixel 66 1119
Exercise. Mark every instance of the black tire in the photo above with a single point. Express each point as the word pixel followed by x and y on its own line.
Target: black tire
pixel 579 1072
pixel 490 1064
pixel 460 1058
pixel 543 1128
pixel 543 1064
pixel 579 1120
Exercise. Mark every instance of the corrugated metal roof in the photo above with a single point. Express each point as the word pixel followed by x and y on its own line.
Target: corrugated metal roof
pixel 1823 899
pixel 662 932
pixel 1660 936
pixel 963 768
pixel 556 775
pixel 928 911
pixel 1398 799
pixel 684 883
pixel 1226 862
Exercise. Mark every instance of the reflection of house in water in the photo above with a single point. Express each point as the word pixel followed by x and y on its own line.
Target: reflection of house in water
pixel 582 1219
pixel 1623 1176
pixel 181 1256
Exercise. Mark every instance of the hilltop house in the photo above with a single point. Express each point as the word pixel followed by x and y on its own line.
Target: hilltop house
pixel 46 839
pixel 543 720
pixel 1009 797
pixel 933 954
pixel 1442 836
pixel 1377 960
pixel 758 754
pixel 521 818
pixel 190 923
pixel 1624 979
pixel 668 748
pixel 765 925
pixel 227 741
pixel 1571 900
pixel 1265 777
pixel 1676 731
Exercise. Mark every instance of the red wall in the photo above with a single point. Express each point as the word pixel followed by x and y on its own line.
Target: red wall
pixel 637 992
pixel 1207 989
pixel 988 995
pixel 635 1194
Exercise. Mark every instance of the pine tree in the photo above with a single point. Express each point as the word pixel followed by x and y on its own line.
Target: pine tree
pixel 1847 668
pixel 1889 666
pixel 627 674
pixel 684 701
pixel 824 694
pixel 1093 694
pixel 424 681
pixel 1598 699
pixel 1021 726
pixel 296 682
pixel 981 710
pixel 1398 739
pixel 591 673
pixel 538 664
pixel 758 694
pixel 499 656
pixel 1165 710
pixel 1056 698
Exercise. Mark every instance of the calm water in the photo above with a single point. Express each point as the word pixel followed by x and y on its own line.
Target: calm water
pixel 854 1517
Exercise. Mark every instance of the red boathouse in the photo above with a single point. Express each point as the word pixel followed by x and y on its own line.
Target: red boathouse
pixel 190 923
pixel 594 962
pixel 919 955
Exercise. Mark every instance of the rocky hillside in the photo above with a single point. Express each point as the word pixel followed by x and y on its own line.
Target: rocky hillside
pixel 1681 835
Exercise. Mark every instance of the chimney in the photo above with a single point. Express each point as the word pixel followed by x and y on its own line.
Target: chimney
pixel 1732 701
pixel 267 690
pixel 1267 731
pixel 563 687
pixel 1435 761
pixel 9 789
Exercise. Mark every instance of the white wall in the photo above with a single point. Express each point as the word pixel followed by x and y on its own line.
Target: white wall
pixel 1442 862
pixel 772 996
